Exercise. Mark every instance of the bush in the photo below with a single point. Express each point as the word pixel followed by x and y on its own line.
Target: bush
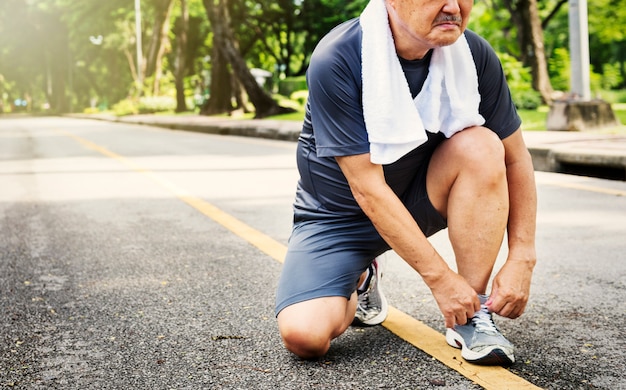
pixel 152 104
pixel 559 69
pixel 520 82
pixel 145 105
pixel 284 101
pixel 91 110
pixel 125 107
pixel 300 96
pixel 613 96
pixel 526 99
pixel 291 84
pixel 611 76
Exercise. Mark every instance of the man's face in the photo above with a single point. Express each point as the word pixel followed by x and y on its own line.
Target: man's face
pixel 420 25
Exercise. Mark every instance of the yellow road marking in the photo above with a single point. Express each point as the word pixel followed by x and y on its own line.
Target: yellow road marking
pixel 404 326
pixel 583 187
pixel 263 242
pixel 434 344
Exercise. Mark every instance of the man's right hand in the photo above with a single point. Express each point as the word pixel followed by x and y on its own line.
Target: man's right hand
pixel 456 299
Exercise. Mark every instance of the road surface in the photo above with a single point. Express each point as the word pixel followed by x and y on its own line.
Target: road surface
pixel 136 257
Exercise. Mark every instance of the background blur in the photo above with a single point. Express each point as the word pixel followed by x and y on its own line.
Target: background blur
pixel 229 56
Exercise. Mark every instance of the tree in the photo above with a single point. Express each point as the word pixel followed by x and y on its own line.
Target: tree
pixel 34 53
pixel 181 61
pixel 525 15
pixel 224 40
pixel 608 40
pixel 159 43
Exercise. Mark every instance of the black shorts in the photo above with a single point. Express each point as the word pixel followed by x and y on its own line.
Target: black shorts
pixel 327 254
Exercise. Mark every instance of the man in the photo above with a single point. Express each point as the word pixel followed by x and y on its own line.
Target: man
pixel 476 180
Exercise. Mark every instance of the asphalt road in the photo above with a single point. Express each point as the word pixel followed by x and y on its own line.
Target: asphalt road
pixel 121 268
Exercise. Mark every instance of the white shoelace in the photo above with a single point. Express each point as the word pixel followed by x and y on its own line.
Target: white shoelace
pixel 483 322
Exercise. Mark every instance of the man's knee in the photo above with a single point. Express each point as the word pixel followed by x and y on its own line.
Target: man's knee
pixel 478 145
pixel 479 153
pixel 303 340
pixel 307 328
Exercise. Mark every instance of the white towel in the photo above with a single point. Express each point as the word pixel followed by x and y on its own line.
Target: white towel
pixel 396 122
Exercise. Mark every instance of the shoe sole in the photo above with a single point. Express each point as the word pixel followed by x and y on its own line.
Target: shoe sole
pixel 489 356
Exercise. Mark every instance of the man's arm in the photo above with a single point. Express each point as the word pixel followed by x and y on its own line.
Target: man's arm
pixel 511 286
pixel 457 300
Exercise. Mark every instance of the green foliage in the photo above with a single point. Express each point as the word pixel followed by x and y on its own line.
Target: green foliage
pixel 152 104
pixel 607 20
pixel 300 96
pixel 611 76
pixel 620 112
pixel 126 107
pixel 559 69
pixel 144 105
pixel 533 119
pixel 73 53
pixel 91 110
pixel 5 92
pixel 494 24
pixel 595 81
pixel 297 116
pixel 527 99
pixel 614 96
pixel 290 85
pixel 284 101
pixel 520 82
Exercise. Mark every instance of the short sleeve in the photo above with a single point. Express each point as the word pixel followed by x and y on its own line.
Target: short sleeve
pixel 496 104
pixel 334 81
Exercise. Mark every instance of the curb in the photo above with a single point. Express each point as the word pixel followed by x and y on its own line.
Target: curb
pixel 596 156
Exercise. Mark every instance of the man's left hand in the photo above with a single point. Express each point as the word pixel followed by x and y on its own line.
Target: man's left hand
pixel 511 289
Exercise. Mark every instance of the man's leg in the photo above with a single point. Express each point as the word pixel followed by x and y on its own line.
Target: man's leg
pixel 308 327
pixel 316 297
pixel 466 183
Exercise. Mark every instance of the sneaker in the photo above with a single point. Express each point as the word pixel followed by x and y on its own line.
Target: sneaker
pixel 480 340
pixel 372 306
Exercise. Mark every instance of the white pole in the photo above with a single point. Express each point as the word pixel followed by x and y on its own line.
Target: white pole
pixel 579 49
pixel 138 38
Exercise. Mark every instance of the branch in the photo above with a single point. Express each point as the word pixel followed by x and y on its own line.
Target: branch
pixel 556 9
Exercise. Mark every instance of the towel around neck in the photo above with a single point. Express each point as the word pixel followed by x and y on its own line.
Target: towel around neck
pixel 395 122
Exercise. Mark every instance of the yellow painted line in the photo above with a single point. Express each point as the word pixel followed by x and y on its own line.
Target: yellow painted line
pixel 401 324
pixel 583 187
pixel 263 242
pixel 434 344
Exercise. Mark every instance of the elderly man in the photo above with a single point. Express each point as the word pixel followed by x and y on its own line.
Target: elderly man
pixel 409 129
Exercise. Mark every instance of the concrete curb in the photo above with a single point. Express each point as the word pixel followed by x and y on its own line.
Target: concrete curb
pixel 550 151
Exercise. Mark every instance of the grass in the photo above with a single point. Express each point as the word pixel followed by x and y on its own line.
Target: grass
pixel 532 119
pixel 292 116
pixel 620 112
pixel 535 120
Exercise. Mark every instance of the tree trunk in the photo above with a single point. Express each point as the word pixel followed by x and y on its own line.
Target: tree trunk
pixel 525 15
pixel 162 14
pixel 163 46
pixel 539 66
pixel 224 40
pixel 221 86
pixel 181 104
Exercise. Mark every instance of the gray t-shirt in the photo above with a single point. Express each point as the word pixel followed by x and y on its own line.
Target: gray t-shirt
pixel 334 124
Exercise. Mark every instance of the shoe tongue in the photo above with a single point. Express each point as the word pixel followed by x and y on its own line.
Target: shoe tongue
pixel 368 279
pixel 483 298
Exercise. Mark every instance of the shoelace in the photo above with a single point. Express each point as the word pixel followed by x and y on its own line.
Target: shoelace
pixel 483 322
pixel 364 297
